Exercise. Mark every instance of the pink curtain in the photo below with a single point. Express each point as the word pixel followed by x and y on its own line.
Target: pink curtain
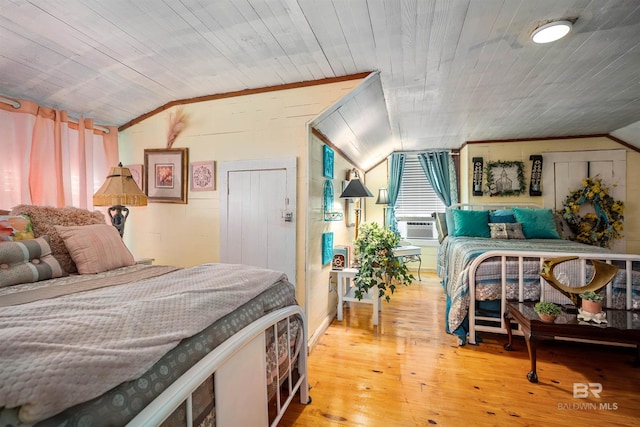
pixel 47 160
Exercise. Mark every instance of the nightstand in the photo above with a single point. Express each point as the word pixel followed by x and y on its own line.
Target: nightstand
pixel 346 292
pixel 146 261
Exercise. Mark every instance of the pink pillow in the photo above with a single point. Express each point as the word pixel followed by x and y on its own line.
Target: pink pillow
pixel 95 248
pixel 45 218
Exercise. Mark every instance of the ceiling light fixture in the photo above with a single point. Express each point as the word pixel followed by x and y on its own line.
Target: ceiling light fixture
pixel 551 32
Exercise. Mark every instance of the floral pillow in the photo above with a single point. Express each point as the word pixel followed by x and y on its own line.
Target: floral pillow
pixel 15 227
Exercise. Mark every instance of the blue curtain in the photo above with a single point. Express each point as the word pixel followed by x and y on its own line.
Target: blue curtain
pixel 395 177
pixel 440 171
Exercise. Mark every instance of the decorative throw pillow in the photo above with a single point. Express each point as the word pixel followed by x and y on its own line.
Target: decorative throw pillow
pixel 27 261
pixel 95 248
pixel 441 225
pixel 45 218
pixel 560 228
pixel 537 223
pixel 502 216
pixel 471 223
pixel 451 225
pixel 506 230
pixel 15 227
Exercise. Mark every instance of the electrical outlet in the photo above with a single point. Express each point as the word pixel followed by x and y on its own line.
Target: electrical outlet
pixel 331 283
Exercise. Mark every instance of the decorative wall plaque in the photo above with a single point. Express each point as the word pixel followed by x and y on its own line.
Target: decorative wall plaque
pixel 536 175
pixel 327 248
pixel 477 176
pixel 327 162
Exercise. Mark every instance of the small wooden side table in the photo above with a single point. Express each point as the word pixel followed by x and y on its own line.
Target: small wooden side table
pixel 346 292
pixel 622 327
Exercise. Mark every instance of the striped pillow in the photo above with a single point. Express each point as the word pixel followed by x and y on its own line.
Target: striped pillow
pixel 95 248
pixel 28 261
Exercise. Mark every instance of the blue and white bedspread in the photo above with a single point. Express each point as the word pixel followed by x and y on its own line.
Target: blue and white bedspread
pixel 456 254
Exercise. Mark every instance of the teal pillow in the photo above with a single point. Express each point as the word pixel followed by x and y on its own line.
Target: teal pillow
pixel 537 223
pixel 502 216
pixel 471 223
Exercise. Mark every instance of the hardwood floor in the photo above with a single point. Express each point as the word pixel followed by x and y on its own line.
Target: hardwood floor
pixel 409 372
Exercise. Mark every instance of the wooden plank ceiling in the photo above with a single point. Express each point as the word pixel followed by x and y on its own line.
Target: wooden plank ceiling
pixel 447 71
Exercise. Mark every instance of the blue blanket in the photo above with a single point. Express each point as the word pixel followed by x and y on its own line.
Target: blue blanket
pixel 456 254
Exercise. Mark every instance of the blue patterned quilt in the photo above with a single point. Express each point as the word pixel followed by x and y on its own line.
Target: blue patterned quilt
pixel 456 254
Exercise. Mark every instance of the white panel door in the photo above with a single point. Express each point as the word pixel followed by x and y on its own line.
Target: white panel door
pixel 254 229
pixel 567 176
pixel 563 172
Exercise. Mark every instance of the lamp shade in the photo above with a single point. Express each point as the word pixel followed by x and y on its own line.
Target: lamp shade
pixel 383 197
pixel 355 189
pixel 119 189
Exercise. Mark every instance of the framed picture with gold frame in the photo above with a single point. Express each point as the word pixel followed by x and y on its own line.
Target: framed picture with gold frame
pixel 167 174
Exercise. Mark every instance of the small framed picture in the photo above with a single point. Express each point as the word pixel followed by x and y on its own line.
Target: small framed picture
pixel 203 176
pixel 166 170
pixel 137 174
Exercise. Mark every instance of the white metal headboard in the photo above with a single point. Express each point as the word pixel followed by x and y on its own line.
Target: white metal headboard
pixel 491 206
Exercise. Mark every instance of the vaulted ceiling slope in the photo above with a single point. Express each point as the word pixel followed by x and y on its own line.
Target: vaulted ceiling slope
pixel 449 70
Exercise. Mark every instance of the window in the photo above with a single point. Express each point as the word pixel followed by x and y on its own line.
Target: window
pixel 416 197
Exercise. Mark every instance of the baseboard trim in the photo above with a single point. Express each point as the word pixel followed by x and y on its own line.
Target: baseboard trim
pixel 315 336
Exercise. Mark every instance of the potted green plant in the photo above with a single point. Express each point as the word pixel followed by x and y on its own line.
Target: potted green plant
pixel 591 302
pixel 378 267
pixel 547 311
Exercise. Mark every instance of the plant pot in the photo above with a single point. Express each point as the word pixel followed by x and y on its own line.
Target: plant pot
pixel 594 307
pixel 549 318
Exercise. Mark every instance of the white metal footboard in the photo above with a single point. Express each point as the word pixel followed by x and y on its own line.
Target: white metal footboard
pixel 241 353
pixel 497 324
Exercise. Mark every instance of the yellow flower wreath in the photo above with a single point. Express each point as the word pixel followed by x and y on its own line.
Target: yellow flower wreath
pixel 601 227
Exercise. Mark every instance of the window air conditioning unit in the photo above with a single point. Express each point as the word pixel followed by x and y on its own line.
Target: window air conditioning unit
pixel 417 229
